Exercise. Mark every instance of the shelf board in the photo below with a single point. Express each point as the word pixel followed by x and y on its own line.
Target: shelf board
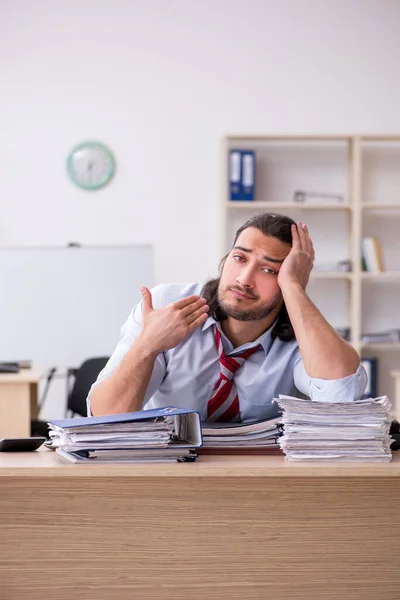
pixel 331 274
pixel 379 206
pixel 380 138
pixel 253 204
pixel 377 346
pixel 384 275
pixel 287 137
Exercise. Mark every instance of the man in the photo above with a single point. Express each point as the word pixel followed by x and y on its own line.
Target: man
pixel 228 348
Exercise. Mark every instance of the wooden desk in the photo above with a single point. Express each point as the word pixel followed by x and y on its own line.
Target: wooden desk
pixel 19 401
pixel 222 528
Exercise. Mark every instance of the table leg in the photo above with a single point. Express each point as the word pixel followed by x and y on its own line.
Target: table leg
pixel 34 396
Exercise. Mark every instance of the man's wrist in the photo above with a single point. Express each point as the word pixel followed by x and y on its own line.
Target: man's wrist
pixel 291 287
pixel 146 347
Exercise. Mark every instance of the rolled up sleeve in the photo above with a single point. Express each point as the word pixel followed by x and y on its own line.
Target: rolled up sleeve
pixel 129 332
pixel 347 389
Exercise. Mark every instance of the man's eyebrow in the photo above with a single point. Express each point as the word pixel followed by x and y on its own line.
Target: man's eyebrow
pixel 278 261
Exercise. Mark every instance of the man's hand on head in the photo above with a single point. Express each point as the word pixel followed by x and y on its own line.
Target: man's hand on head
pixel 297 266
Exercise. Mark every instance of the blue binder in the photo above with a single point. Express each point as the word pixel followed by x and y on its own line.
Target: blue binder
pixel 193 421
pixel 248 174
pixel 235 175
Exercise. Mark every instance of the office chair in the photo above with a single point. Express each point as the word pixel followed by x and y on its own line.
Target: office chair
pixel 79 381
pixel 40 428
pixel 84 377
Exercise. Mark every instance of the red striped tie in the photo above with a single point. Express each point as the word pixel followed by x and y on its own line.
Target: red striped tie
pixel 224 402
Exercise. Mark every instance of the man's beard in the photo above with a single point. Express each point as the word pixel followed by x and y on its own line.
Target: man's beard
pixel 249 314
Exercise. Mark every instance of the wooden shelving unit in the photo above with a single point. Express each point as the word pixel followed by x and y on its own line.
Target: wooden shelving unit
pixel 347 159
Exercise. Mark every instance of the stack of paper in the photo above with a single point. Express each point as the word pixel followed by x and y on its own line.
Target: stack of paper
pixel 341 431
pixel 262 434
pixel 162 435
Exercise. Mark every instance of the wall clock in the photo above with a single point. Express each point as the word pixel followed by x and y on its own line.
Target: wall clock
pixel 91 165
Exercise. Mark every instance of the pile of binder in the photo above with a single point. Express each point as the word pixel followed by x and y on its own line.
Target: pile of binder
pixel 357 431
pixel 260 437
pixel 162 435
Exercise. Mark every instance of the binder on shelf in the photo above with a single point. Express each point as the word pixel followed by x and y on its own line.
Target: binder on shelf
pixel 372 256
pixel 235 175
pixel 317 197
pixel 248 174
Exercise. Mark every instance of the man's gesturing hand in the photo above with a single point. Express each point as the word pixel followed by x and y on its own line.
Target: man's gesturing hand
pixel 167 327
pixel 296 267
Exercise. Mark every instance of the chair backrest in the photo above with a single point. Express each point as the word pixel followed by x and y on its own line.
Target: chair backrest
pixel 85 376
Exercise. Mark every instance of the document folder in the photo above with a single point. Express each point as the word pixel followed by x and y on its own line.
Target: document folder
pixel 235 175
pixel 248 175
pixel 167 433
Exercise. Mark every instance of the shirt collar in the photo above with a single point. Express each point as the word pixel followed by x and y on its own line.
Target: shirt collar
pixel 265 339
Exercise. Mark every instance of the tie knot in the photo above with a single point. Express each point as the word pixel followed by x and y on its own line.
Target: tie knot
pixel 230 364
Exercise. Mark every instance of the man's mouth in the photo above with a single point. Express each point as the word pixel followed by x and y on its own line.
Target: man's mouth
pixel 241 295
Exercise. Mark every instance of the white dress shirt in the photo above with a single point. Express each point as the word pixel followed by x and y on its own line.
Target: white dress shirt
pixel 185 375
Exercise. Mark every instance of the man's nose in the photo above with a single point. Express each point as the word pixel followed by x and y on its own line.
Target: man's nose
pixel 246 278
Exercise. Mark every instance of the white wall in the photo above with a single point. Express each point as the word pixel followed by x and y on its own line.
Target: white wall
pixel 161 81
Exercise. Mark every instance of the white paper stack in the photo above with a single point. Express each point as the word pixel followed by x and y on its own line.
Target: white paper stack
pixel 355 431
pixel 160 435
pixel 241 435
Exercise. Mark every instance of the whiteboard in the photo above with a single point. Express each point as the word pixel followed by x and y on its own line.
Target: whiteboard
pixel 60 306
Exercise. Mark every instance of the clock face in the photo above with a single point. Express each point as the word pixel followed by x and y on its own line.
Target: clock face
pixel 91 165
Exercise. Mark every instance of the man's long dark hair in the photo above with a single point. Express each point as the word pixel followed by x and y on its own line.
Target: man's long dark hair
pixel 271 225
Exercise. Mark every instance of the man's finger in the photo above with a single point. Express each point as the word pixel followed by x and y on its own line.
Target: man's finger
pixel 307 237
pixel 193 307
pixel 295 237
pixel 147 305
pixel 305 240
pixel 185 301
pixel 197 322
pixel 302 236
pixel 197 313
pixel 312 251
